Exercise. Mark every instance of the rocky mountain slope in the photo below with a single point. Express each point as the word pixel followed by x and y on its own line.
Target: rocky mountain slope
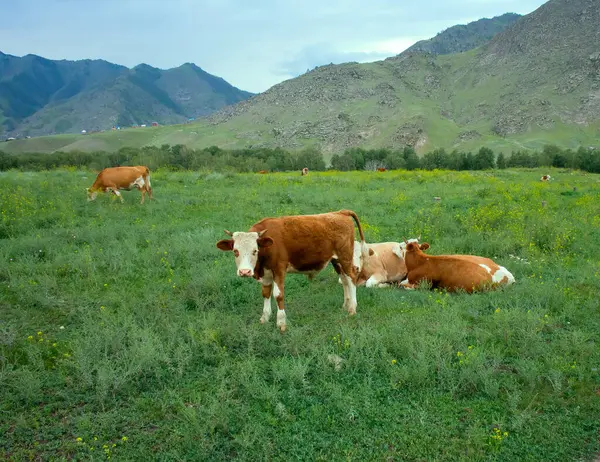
pixel 540 78
pixel 460 38
pixel 41 96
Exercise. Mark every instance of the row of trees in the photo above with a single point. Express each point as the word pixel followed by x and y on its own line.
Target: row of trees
pixel 180 157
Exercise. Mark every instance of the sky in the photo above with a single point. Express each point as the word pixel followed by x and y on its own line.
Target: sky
pixel 253 44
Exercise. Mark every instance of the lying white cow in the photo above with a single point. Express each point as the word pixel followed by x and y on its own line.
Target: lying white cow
pixel 384 266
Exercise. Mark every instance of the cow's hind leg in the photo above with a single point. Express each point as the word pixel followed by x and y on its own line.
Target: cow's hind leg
pixel 278 289
pixel 349 287
pixel 267 291
pixel 342 281
pixel 148 187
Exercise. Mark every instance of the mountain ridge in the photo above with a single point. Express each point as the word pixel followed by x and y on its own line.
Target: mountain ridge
pixel 465 37
pixel 42 96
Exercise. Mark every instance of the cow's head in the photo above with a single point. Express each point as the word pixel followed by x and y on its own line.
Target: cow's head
pixel 412 251
pixel 91 195
pixel 245 248
pixel 403 245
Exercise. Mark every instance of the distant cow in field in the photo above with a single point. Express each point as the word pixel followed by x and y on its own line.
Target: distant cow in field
pixel 304 171
pixel 302 244
pixel 384 265
pixel 545 178
pixel 115 178
pixel 452 272
pixel 262 172
pixel 381 169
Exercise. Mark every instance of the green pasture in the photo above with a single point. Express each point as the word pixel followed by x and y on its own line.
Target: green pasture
pixel 125 334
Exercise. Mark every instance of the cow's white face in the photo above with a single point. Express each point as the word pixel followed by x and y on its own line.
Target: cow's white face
pixel 91 194
pixel 403 246
pixel 245 248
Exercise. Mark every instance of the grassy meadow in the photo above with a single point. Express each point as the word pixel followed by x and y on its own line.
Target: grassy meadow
pixel 125 334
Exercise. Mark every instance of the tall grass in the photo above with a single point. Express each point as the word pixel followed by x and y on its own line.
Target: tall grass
pixel 125 333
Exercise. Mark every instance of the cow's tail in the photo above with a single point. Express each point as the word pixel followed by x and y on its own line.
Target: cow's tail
pixel 350 213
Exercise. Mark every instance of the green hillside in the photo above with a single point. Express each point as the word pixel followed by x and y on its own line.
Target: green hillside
pixel 536 82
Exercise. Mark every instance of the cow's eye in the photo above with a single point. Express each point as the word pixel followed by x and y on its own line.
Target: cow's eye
pixel 255 252
pixel 236 252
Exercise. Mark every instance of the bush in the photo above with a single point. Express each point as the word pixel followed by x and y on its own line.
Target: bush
pixel 180 157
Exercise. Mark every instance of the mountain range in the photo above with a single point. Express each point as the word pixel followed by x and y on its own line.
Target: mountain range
pixel 535 81
pixel 40 96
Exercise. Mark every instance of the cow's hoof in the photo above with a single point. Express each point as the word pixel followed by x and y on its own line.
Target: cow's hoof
pixel 352 311
pixel 282 329
pixel 262 320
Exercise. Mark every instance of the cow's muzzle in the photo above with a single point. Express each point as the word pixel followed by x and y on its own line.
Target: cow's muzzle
pixel 245 273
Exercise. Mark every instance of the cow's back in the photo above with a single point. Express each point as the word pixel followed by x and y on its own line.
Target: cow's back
pixel 452 272
pixel 120 176
pixel 306 241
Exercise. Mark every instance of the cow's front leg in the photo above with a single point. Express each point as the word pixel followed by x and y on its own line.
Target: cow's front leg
pixel 267 291
pixel 117 193
pixel 407 285
pixel 278 289
pixel 375 281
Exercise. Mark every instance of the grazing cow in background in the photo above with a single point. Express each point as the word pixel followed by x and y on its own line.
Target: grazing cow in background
pixel 304 171
pixel 262 172
pixel 545 178
pixel 381 169
pixel 296 244
pixel 452 272
pixel 115 178
pixel 384 265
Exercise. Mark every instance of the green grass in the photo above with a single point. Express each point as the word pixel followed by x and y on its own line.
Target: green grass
pixel 124 325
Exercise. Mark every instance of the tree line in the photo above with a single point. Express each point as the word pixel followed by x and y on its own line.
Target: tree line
pixel 180 157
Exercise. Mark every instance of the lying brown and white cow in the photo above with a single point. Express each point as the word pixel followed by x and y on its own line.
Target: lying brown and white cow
pixel 296 244
pixel 304 171
pixel 452 272
pixel 545 178
pixel 384 265
pixel 116 178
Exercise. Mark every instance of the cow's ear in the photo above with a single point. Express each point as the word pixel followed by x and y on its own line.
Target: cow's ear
pixel 264 242
pixel 225 244
pixel 424 246
pixel 371 252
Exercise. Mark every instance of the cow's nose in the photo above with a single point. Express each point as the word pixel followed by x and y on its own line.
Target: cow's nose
pixel 245 273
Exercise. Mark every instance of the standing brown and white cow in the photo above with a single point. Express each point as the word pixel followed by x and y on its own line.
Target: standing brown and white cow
pixel 115 178
pixel 384 265
pixel 296 244
pixel 452 272
pixel 304 171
